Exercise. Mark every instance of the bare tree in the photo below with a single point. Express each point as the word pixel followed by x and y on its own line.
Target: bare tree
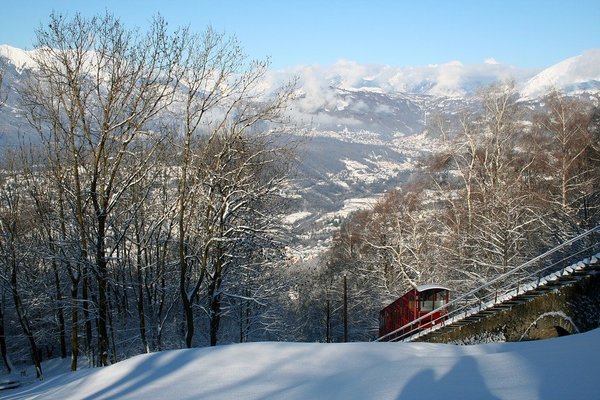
pixel 566 143
pixel 223 163
pixel 16 249
pixel 96 87
pixel 489 214
pixel 3 349
pixel 134 197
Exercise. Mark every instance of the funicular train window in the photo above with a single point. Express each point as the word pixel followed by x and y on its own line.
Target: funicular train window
pixel 427 302
pixel 440 298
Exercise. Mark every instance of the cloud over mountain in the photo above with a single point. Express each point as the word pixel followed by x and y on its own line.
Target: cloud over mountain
pixel 452 79
pixel 349 95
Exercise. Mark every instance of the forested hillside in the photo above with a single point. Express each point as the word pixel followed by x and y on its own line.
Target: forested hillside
pixel 509 183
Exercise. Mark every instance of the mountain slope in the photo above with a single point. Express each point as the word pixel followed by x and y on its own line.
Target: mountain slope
pixel 20 59
pixel 572 75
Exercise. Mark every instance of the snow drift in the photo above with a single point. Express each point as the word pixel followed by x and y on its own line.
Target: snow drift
pixel 562 368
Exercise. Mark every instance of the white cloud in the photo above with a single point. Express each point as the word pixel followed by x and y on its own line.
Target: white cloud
pixel 320 103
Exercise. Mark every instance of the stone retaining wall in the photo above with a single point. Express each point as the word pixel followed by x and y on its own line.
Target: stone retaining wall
pixel 570 309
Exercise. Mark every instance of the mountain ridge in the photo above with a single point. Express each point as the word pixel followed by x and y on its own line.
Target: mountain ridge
pixel 451 79
pixel 368 124
pixel 575 74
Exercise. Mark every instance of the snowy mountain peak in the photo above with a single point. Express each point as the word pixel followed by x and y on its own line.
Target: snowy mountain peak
pixel 21 59
pixel 574 74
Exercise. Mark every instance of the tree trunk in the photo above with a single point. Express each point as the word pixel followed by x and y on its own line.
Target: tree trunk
pixel 60 313
pixel 185 298
pixel 140 299
pixel 85 300
pixel 215 318
pixel 328 321
pixel 24 321
pixel 189 319
pixel 215 309
pixel 111 327
pixel 3 350
pixel 102 265
pixel 74 323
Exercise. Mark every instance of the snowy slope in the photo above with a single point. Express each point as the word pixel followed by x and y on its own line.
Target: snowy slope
pixel 21 59
pixel 562 368
pixel 577 73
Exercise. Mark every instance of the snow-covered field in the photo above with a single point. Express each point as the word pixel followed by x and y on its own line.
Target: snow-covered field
pixel 562 368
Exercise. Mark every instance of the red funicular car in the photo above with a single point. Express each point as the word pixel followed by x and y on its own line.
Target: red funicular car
pixel 416 303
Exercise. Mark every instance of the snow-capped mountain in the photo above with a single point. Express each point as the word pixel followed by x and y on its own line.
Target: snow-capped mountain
pixel 354 93
pixel 573 75
pixel 367 122
pixel 348 96
pixel 18 58
pixel 452 79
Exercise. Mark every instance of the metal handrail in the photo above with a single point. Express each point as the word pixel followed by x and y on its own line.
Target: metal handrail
pixel 469 304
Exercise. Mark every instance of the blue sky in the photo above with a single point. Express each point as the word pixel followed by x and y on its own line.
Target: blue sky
pixel 525 33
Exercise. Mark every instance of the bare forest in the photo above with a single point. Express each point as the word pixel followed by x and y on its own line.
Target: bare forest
pixel 150 207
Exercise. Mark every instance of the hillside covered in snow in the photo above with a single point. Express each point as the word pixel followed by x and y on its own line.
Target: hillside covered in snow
pixel 561 368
